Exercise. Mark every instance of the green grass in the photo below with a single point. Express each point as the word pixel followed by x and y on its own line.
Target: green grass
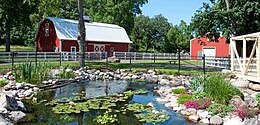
pixel 18 48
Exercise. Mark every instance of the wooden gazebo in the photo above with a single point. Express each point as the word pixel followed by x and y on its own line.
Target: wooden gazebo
pixel 245 56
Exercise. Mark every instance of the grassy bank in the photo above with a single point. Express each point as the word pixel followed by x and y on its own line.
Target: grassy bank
pixel 18 48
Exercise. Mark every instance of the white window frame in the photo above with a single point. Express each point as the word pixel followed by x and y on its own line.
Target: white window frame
pixel 47 29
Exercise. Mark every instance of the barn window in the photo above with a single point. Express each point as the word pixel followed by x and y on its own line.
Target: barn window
pixel 47 30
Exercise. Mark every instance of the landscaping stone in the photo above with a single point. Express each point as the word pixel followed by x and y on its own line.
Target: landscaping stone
pixel 251 121
pixel 3 121
pixel 240 83
pixel 237 102
pixel 234 121
pixel 216 120
pixel 255 87
pixel 194 117
pixel 8 102
pixel 251 102
pixel 204 121
pixel 16 115
pixel 202 114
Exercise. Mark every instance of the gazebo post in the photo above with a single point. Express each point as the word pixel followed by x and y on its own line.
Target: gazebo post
pixel 258 57
pixel 244 56
pixel 232 54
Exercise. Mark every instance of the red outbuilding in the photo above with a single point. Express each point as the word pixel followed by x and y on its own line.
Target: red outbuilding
pixel 200 46
pixel 60 35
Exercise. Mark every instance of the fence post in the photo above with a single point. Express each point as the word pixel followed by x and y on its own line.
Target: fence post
pixel 106 56
pixel 60 58
pixel 130 59
pixel 12 54
pixel 204 64
pixel 154 62
pixel 179 60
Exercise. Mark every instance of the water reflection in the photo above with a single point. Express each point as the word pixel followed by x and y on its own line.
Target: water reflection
pixel 92 89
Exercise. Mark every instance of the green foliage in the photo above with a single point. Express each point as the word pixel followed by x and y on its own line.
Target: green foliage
pixel 106 118
pixel 198 95
pixel 257 98
pixel 3 82
pixel 184 98
pixel 66 73
pixel 151 117
pixel 31 73
pixel 197 84
pixel 220 90
pixel 179 91
pixel 220 109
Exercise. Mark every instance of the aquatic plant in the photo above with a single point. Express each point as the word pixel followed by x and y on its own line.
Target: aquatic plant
pixel 136 107
pixel 106 118
pixel 30 72
pixel 152 117
pixel 66 73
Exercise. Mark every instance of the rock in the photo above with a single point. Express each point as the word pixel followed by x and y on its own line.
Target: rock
pixel 19 85
pixel 177 108
pixel 216 120
pixel 11 93
pixel 202 114
pixel 45 82
pixel 3 110
pixel 151 71
pixel 233 121
pixel 240 83
pixel 226 71
pixel 183 112
pixel 28 92
pixel 161 100
pixel 251 121
pixel 251 102
pixel 255 87
pixel 3 121
pixel 21 106
pixel 237 102
pixel 16 115
pixel 194 117
pixel 192 111
pixel 204 121
pixel 8 102
pixel 164 82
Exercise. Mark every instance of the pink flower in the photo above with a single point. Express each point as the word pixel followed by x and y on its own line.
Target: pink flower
pixel 191 104
pixel 241 113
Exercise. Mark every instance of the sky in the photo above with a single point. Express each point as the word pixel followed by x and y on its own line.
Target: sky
pixel 173 10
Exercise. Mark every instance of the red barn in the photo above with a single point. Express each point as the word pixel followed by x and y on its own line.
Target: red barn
pixel 200 46
pixel 60 35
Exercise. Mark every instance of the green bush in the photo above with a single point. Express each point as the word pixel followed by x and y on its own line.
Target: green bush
pixel 197 84
pixel 31 73
pixel 3 82
pixel 220 90
pixel 220 109
pixel 184 98
pixel 179 91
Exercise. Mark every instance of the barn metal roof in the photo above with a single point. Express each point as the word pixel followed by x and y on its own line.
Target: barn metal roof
pixel 67 29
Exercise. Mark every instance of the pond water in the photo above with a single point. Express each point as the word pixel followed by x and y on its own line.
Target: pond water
pixel 42 114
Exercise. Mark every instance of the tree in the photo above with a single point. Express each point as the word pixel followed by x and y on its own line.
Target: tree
pixel 227 18
pixel 81 35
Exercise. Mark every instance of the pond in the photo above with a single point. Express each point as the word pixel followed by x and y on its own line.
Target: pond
pixel 42 114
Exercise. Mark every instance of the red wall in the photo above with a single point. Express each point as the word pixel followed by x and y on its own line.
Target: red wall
pixel 118 47
pixel 46 43
pixel 196 45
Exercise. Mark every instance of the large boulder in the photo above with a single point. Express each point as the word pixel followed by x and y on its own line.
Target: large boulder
pixel 240 83
pixel 3 121
pixel 255 87
pixel 251 102
pixel 16 116
pixel 8 102
pixel 251 121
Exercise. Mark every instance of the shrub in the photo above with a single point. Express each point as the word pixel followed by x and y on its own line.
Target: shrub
pixel 197 84
pixel 31 73
pixel 3 82
pixel 220 90
pixel 184 98
pixel 220 109
pixel 191 104
pixel 179 91
pixel 257 98
pixel 198 95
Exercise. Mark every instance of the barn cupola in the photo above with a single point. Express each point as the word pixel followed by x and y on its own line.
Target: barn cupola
pixel 86 18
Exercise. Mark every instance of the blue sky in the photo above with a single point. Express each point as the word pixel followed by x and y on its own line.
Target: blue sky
pixel 173 10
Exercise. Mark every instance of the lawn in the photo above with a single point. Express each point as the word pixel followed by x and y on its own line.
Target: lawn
pixel 18 48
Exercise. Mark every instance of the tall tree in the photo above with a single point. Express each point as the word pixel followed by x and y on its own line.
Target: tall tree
pixel 228 18
pixel 81 35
